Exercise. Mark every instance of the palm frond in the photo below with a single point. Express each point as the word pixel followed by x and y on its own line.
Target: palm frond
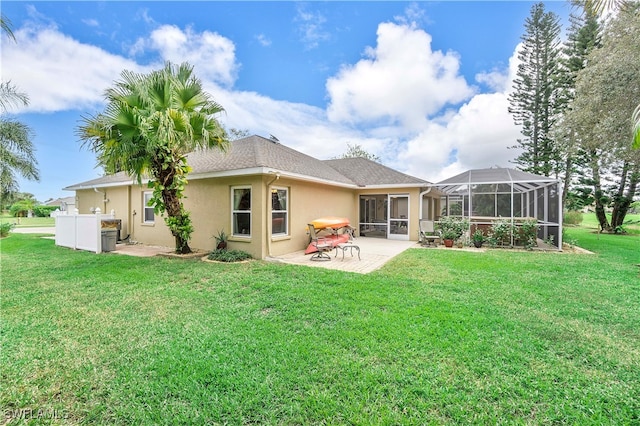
pixel 5 25
pixel 17 153
pixel 10 96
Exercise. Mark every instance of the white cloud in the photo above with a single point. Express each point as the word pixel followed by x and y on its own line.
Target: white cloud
pixel 57 72
pixel 91 22
pixel 299 126
pixel 263 40
pixel 413 14
pixel 145 17
pixel 401 80
pixel 311 27
pixel 212 55
pixel 478 135
pixel 495 79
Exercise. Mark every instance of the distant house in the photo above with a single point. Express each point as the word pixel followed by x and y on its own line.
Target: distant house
pixel 64 204
pixel 263 194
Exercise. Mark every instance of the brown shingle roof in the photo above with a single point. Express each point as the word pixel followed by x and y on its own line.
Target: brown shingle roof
pixel 116 179
pixel 364 172
pixel 255 152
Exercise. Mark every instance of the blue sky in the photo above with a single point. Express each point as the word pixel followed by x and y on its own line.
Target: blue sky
pixel 423 85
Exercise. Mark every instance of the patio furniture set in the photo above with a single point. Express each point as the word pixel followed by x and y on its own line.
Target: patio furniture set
pixel 320 246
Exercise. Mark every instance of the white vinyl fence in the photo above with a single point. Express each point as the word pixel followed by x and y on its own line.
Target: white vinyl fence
pixel 80 231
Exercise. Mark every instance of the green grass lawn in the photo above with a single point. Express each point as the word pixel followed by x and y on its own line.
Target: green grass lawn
pixel 631 222
pixel 28 222
pixel 434 337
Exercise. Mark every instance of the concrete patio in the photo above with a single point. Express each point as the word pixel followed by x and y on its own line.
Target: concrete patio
pixel 374 253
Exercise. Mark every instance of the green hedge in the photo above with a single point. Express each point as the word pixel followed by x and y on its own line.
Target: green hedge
pixel 572 218
pixel 44 211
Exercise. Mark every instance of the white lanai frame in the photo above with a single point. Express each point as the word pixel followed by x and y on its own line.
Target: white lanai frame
pixel 484 194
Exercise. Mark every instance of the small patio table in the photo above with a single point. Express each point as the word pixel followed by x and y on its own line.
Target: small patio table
pixel 347 246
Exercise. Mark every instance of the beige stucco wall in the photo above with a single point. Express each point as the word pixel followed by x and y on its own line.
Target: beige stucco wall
pixel 309 201
pixel 107 199
pixel 209 201
pixel 87 200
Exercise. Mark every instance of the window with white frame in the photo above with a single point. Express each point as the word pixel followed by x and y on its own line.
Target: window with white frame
pixel 241 211
pixel 279 211
pixel 149 216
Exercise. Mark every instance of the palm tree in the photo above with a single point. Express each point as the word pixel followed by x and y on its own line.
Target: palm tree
pixel 16 147
pixel 149 125
pixel 16 155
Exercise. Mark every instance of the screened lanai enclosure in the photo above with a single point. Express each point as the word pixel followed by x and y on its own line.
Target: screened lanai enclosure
pixel 484 195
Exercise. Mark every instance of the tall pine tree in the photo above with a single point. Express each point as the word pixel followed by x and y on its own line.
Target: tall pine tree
pixel 534 102
pixel 600 116
pixel 584 35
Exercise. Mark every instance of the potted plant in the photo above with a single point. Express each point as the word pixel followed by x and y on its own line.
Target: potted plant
pixel 221 240
pixel 477 238
pixel 451 229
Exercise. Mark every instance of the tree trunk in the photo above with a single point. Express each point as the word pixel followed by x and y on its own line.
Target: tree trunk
pixel 173 206
pixel 567 180
pixel 622 202
pixel 177 214
pixel 598 194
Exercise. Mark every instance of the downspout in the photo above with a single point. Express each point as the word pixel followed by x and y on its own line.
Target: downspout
pixel 269 224
pixel 105 200
pixel 421 195
pixel 130 214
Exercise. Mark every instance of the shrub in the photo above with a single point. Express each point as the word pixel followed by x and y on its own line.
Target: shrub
pixel 44 211
pixel 529 233
pixel 501 232
pixel 223 255
pixel 20 208
pixel 452 228
pixel 5 228
pixel 572 218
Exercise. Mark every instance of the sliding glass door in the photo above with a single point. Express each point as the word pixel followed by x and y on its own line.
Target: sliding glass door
pixel 398 217
pixel 384 216
pixel 373 216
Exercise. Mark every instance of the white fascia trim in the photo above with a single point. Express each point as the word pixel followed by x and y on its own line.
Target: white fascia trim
pixel 395 186
pixel 105 185
pixel 269 171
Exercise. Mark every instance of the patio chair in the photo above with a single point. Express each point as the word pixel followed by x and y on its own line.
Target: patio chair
pixel 428 234
pixel 323 245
